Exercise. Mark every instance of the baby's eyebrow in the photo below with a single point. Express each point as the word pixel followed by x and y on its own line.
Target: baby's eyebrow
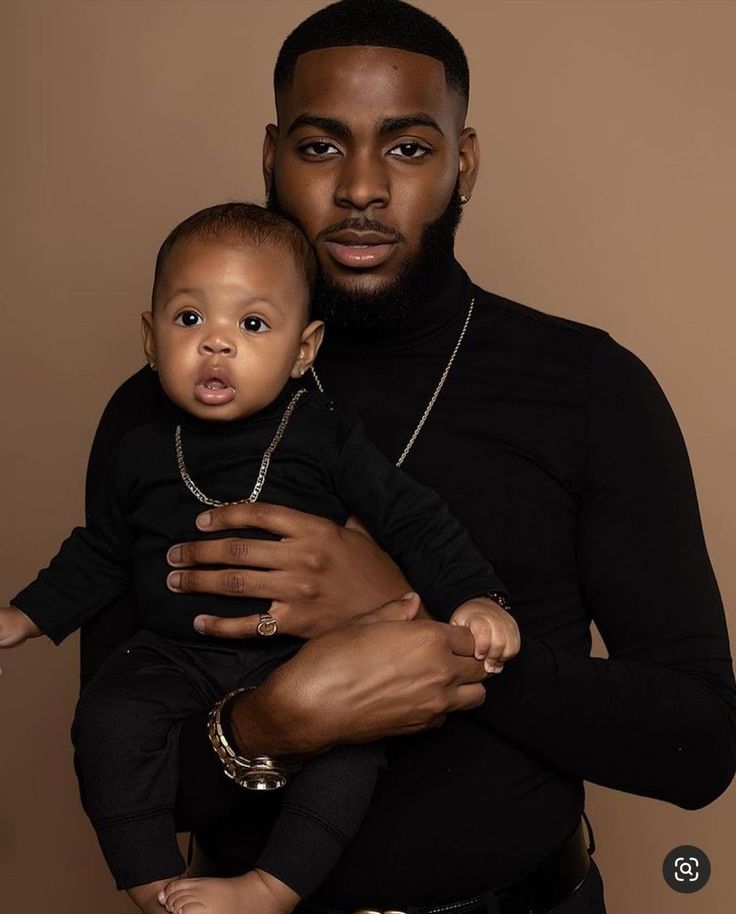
pixel 187 290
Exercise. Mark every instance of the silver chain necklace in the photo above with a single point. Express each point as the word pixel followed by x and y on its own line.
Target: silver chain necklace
pixel 437 389
pixel 267 454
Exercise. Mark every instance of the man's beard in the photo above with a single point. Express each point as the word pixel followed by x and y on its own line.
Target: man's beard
pixel 365 314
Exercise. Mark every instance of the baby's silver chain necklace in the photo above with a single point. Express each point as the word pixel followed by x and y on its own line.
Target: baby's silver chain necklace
pixel 268 453
pixel 437 389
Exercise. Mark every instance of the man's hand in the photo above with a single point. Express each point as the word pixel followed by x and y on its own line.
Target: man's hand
pixel 360 683
pixel 16 627
pixel 318 575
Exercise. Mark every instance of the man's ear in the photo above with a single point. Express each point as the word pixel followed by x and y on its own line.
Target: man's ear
pixel 149 347
pixel 469 161
pixel 269 154
pixel 311 340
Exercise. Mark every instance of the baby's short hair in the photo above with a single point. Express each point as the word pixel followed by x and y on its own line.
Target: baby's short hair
pixel 245 223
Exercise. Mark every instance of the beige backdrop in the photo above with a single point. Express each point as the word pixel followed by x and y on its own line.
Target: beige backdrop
pixel 607 195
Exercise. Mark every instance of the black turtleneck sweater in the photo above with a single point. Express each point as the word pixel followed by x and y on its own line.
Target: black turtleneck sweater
pixel 323 464
pixel 558 451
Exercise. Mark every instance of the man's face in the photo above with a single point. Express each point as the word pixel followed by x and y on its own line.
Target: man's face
pixel 229 327
pixel 369 152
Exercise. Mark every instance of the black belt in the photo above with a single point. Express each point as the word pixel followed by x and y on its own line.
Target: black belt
pixel 533 892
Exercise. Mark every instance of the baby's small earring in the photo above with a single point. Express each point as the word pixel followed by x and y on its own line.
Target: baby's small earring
pixel 302 370
pixel 152 365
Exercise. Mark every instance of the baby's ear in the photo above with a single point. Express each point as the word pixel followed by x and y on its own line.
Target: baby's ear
pixel 149 346
pixel 309 344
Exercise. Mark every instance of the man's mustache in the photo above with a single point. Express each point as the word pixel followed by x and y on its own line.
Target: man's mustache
pixel 360 225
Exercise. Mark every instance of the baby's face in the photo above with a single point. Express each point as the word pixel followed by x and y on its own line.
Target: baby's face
pixel 229 327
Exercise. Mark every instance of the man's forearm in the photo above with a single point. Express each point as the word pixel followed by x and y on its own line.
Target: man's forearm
pixel 662 732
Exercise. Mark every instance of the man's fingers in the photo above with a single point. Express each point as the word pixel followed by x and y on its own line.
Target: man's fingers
pixel 469 670
pixel 228 582
pixel 221 627
pixel 276 519
pixel 402 610
pixel 467 696
pixel 233 551
pixel 462 641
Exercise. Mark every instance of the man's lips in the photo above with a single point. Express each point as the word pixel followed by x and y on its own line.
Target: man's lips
pixel 359 250
pixel 214 387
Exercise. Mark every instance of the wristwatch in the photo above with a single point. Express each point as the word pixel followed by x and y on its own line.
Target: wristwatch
pixel 257 773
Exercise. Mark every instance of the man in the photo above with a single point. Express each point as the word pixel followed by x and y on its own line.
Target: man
pixel 552 444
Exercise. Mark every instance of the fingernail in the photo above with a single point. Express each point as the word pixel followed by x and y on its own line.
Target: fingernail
pixel 205 520
pixel 175 555
pixel 409 596
pixel 161 897
pixel 174 580
pixel 199 625
pixel 490 666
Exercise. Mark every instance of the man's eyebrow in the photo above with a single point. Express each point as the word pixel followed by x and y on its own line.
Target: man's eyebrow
pixel 395 124
pixel 328 124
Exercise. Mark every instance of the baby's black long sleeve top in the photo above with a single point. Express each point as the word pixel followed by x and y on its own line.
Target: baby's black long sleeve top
pixel 323 465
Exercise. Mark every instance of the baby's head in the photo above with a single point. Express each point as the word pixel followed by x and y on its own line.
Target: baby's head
pixel 230 311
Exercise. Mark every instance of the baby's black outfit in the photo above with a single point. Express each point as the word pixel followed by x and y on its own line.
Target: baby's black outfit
pixel 126 726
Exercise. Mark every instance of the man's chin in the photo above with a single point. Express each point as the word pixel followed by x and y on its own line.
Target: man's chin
pixel 359 282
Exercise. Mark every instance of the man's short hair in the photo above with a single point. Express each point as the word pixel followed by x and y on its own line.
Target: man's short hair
pixel 242 223
pixel 375 23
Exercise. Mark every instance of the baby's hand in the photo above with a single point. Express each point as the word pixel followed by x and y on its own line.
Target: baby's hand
pixel 15 627
pixel 496 633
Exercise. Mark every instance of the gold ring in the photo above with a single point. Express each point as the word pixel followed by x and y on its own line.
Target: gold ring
pixel 267 626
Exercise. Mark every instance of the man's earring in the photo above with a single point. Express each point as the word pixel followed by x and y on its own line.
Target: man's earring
pixel 152 365
pixel 463 199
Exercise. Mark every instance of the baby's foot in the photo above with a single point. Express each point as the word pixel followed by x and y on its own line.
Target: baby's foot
pixel 256 892
pixel 146 896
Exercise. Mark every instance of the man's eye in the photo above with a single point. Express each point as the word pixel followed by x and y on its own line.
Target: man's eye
pixel 254 324
pixel 188 319
pixel 319 148
pixel 410 151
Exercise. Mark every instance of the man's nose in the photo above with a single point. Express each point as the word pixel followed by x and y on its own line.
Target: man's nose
pixel 363 182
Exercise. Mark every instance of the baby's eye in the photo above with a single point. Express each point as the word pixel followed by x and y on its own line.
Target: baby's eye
pixel 188 319
pixel 252 324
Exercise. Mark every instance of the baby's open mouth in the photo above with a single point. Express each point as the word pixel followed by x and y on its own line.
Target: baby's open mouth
pixel 214 387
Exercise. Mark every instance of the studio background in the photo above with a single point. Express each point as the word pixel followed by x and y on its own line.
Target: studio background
pixel 606 195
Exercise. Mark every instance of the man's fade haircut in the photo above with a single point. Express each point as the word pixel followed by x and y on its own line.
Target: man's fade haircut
pixel 242 223
pixel 380 24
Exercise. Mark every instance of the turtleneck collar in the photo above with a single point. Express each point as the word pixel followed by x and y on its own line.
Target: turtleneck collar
pixel 213 427
pixel 449 300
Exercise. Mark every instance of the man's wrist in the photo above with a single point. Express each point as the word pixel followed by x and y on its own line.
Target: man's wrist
pixel 245 720
pixel 255 772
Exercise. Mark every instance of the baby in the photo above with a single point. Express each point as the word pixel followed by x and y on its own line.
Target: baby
pixel 230 335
